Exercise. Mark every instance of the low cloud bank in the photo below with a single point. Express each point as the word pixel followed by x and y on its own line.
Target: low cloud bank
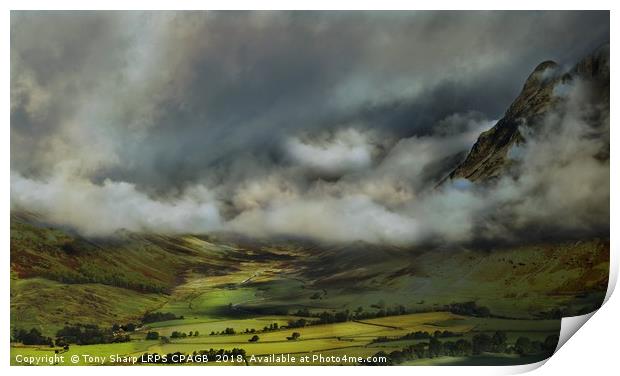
pixel 102 209
pixel 378 191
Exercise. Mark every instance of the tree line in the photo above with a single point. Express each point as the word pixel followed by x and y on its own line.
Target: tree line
pixel 479 344
pixel 418 335
pixel 231 331
pixel 151 317
pixel 325 317
pixel 31 337
pixel 88 334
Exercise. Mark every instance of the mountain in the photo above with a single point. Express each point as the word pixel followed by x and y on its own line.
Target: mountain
pixel 58 277
pixel 488 157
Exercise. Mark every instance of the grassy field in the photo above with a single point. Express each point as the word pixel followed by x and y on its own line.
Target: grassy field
pixel 347 338
pixel 58 278
pixel 48 305
pixel 205 327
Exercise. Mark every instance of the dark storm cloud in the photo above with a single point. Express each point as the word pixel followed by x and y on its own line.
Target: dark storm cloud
pixel 218 84
pixel 239 108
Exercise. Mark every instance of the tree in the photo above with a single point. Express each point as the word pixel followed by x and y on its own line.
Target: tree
pixel 342 316
pixel 469 309
pixel 88 334
pixel 196 333
pixel 326 318
pixel 32 337
pixel 434 347
pixel 294 336
pixel 159 316
pixel 449 348
pixel 297 323
pixel 152 335
pixel 481 343
pixel 303 312
pixel 551 342
pixel 523 345
pixel 498 342
pixel 254 338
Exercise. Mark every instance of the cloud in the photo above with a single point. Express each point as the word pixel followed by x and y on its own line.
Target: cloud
pixel 564 166
pixel 391 202
pixel 559 187
pixel 334 155
pixel 345 219
pixel 255 194
pixel 160 99
pixel 101 210
pixel 422 161
pixel 337 126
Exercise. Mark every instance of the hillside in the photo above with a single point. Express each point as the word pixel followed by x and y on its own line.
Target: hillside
pixel 58 277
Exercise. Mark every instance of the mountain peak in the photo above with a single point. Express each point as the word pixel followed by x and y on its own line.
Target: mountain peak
pixel 543 73
pixel 545 65
pixel 488 157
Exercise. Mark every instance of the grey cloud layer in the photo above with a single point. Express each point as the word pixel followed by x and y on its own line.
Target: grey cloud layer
pixel 196 121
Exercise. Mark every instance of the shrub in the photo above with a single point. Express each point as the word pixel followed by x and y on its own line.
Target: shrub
pixel 254 338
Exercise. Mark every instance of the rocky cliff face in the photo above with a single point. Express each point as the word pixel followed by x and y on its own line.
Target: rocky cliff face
pixel 488 157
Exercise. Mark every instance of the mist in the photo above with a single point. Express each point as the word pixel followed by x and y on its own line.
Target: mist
pixel 337 127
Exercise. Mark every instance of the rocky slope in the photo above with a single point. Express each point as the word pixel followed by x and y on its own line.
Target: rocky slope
pixel 488 157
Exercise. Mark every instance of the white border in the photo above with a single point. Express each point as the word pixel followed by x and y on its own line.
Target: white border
pixel 594 348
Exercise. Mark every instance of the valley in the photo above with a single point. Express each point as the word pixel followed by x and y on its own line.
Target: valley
pixel 360 306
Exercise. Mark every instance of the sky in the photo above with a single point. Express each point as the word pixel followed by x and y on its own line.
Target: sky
pixel 331 125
